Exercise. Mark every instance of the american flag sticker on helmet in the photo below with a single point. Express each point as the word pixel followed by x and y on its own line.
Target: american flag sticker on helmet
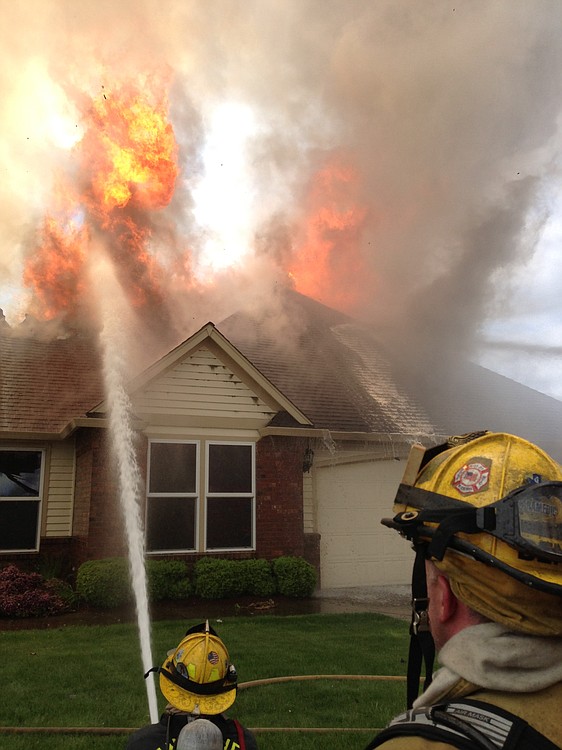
pixel 213 657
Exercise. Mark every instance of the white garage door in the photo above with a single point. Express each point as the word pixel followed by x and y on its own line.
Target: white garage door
pixel 355 548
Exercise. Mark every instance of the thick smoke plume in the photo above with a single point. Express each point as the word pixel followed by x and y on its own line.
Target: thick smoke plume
pixel 400 161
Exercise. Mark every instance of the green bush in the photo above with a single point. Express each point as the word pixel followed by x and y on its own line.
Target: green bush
pixel 257 577
pixel 167 579
pixel 295 576
pixel 104 583
pixel 216 578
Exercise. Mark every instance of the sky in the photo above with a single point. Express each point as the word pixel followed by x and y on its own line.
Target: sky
pixel 395 159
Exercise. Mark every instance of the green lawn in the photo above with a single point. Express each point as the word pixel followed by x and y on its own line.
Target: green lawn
pixel 76 677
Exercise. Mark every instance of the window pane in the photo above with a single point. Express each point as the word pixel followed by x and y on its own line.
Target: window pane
pixel 170 523
pixel 230 468
pixel 20 472
pixel 229 523
pixel 173 467
pixel 18 524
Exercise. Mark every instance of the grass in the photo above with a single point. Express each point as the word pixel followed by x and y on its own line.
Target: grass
pixel 91 676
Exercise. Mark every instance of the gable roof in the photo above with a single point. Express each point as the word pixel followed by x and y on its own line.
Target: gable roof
pixel 218 360
pixel 330 365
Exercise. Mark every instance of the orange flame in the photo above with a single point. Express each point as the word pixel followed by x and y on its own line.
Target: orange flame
pixel 128 169
pixel 130 152
pixel 55 269
pixel 328 262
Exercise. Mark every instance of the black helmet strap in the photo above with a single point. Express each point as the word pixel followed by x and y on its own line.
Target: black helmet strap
pixel 208 688
pixel 422 648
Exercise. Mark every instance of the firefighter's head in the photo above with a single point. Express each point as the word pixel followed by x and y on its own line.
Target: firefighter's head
pixel 198 677
pixel 486 508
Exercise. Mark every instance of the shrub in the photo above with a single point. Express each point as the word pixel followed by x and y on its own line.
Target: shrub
pixel 167 579
pixel 27 595
pixel 216 578
pixel 104 583
pixel 257 577
pixel 295 576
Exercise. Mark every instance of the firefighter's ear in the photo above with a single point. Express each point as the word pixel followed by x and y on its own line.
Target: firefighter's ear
pixel 444 602
pixel 447 602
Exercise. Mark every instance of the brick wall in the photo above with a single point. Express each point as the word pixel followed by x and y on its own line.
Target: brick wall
pixel 279 511
pixel 98 525
pixel 97 521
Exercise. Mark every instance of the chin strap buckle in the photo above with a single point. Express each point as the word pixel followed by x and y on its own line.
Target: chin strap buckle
pixel 420 616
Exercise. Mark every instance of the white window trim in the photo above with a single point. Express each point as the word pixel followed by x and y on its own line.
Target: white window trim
pixel 251 495
pixel 191 495
pixel 38 499
pixel 201 500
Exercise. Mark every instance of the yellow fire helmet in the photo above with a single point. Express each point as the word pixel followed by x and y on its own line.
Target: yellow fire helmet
pixel 197 677
pixel 492 497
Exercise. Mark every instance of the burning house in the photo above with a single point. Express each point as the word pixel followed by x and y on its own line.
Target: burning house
pixel 357 159
pixel 248 444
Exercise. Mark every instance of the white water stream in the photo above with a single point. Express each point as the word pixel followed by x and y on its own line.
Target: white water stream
pixel 122 438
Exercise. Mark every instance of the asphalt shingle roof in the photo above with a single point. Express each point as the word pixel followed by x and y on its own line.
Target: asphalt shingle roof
pixel 329 365
pixel 44 384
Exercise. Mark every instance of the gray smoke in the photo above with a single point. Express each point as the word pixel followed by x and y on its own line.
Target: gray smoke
pixel 448 112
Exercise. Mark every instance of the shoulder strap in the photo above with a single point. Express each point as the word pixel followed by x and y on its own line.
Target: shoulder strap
pixel 467 725
pixel 505 729
pixel 420 723
pixel 240 732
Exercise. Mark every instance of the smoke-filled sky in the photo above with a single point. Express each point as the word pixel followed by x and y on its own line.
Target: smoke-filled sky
pixel 399 160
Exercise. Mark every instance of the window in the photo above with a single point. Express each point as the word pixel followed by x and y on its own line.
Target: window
pixel 171 508
pixel 230 496
pixel 182 518
pixel 20 499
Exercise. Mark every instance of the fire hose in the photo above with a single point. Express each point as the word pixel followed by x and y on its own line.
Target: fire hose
pixel 242 686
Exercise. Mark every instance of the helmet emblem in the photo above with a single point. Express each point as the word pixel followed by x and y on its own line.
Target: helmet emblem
pixel 213 657
pixel 472 477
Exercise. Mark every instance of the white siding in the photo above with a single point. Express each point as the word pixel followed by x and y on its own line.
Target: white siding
pixel 60 489
pixel 355 549
pixel 201 386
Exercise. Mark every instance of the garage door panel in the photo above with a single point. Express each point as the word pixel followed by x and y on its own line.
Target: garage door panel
pixel 355 549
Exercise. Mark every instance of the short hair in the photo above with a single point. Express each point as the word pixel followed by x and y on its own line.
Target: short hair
pixel 200 734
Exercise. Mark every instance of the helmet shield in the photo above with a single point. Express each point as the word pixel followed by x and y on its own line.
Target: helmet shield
pixel 529 519
pixel 532 518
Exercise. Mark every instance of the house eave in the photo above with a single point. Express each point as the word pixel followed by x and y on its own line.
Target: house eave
pixel 315 432
pixel 45 435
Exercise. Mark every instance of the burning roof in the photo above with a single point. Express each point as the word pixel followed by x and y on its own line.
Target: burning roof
pixel 331 367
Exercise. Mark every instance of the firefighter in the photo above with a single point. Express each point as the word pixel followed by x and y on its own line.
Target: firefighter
pixel 484 514
pixel 199 682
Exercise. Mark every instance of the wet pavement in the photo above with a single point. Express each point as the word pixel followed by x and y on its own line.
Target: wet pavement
pixel 393 601
pixel 387 600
